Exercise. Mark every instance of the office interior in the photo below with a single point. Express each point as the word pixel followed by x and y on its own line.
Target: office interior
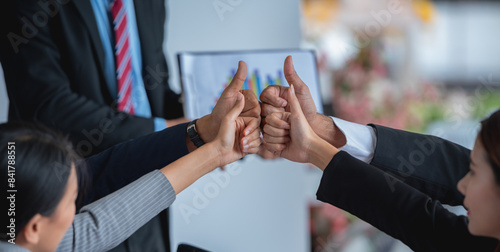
pixel 429 67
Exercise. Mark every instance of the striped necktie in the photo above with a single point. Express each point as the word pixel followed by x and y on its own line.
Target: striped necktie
pixel 122 56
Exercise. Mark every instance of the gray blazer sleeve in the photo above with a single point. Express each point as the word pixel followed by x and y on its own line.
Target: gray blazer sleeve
pixel 102 225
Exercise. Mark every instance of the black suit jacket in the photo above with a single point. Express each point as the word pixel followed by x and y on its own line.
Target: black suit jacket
pixel 408 209
pixel 53 60
pixel 124 163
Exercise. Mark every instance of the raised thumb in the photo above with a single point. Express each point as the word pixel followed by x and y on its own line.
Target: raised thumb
pixel 293 102
pixel 237 108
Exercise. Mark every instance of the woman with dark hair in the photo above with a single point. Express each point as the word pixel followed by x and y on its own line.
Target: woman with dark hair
pixel 390 204
pixel 481 186
pixel 42 171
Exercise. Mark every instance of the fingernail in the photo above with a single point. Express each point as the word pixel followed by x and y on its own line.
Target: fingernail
pixel 283 104
pixel 247 132
pixel 240 96
pixel 245 141
pixel 293 89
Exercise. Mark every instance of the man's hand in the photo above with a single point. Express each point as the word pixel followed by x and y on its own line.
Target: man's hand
pixel 265 153
pixel 208 126
pixel 252 105
pixel 274 99
pixel 289 135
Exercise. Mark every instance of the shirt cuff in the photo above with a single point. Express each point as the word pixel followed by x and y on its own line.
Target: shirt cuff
pixel 160 124
pixel 361 139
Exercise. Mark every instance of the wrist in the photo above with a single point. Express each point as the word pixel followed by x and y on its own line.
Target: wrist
pixel 193 134
pixel 326 129
pixel 215 153
pixel 321 152
pixel 212 155
pixel 205 128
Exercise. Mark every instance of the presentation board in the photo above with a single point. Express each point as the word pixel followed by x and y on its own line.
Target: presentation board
pixel 205 75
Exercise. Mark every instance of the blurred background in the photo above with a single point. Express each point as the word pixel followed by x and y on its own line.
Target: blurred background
pixel 426 66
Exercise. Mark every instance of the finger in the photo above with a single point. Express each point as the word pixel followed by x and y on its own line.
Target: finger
pixel 294 104
pixel 276 132
pixel 265 154
pixel 255 143
pixel 291 75
pixel 252 105
pixel 238 79
pixel 275 147
pixel 267 109
pixel 253 137
pixel 272 95
pixel 279 120
pixel 253 124
pixel 275 140
pixel 252 150
pixel 235 111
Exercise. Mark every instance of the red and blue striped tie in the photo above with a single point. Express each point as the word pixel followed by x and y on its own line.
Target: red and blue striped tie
pixel 123 57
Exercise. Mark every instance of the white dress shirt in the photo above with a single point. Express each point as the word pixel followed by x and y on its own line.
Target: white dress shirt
pixel 361 139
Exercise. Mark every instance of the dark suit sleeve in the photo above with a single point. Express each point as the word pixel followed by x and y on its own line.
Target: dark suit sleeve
pixel 40 87
pixel 396 208
pixel 124 163
pixel 428 163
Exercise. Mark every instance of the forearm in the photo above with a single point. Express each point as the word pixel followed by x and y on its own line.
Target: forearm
pixel 126 162
pixel 431 164
pixel 190 168
pixel 107 222
pixel 395 208
pixel 321 152
pixel 325 128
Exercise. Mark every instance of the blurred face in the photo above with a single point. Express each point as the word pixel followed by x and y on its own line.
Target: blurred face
pixel 56 225
pixel 482 195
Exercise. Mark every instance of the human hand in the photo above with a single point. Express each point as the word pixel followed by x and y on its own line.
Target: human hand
pixel 289 135
pixel 274 98
pixel 231 141
pixel 265 153
pixel 208 126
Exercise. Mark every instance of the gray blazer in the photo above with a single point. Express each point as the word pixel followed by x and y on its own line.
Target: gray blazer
pixel 105 223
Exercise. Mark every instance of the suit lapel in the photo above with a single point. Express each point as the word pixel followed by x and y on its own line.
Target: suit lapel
pixel 85 9
pixel 143 13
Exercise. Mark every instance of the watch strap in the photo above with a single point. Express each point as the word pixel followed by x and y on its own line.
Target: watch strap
pixel 193 134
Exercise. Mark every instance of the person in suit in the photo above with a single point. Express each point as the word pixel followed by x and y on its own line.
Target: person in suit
pixel 415 160
pixel 94 69
pixel 48 173
pixel 64 62
pixel 409 207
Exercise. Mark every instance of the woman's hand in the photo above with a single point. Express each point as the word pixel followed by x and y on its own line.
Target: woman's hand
pixel 237 136
pixel 289 135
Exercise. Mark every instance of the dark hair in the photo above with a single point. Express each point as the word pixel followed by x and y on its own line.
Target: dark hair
pixel 490 138
pixel 43 161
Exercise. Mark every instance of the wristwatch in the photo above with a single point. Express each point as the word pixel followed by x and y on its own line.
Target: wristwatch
pixel 193 134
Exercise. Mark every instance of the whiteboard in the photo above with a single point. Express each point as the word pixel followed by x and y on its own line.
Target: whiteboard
pixel 205 75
